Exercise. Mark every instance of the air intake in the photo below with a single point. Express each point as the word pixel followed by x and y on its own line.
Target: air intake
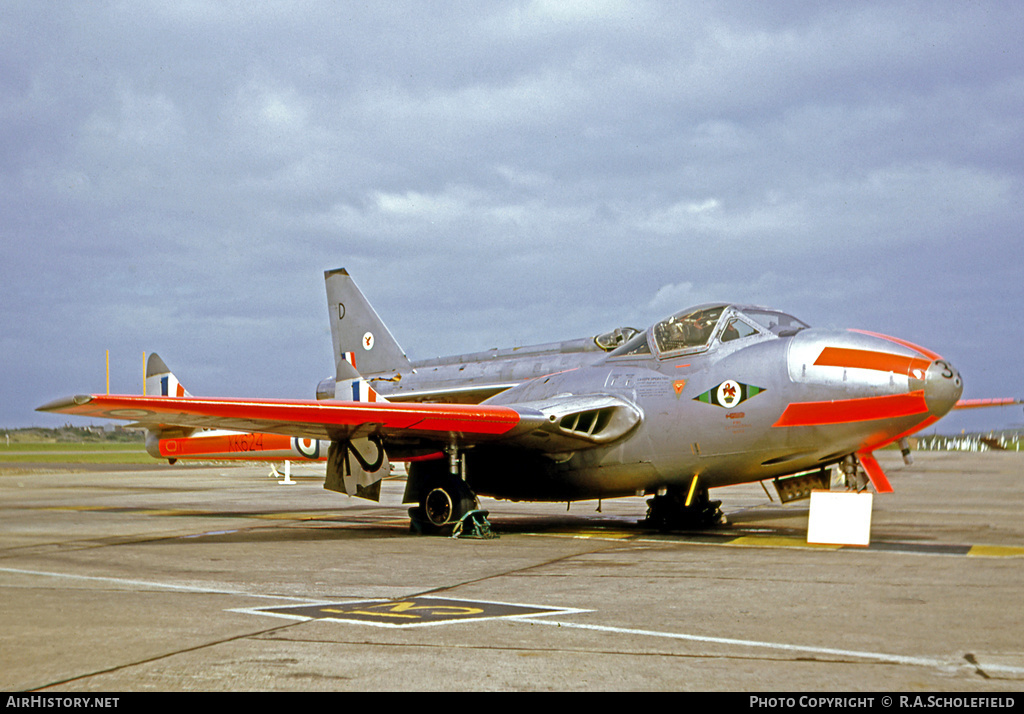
pixel 587 424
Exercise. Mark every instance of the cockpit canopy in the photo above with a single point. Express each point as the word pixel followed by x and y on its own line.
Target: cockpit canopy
pixel 687 329
pixel 697 328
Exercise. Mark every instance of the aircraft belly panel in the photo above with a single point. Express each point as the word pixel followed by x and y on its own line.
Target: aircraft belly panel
pixel 612 481
pixel 586 475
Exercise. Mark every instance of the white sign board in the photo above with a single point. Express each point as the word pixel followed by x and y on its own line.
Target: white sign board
pixel 840 518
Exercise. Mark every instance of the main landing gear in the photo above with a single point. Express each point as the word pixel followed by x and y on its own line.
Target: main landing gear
pixel 683 509
pixel 446 504
pixel 443 502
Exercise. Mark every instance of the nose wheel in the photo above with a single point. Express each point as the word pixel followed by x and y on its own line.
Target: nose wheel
pixel 670 512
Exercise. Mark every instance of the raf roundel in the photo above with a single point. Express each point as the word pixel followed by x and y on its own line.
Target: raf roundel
pixel 309 448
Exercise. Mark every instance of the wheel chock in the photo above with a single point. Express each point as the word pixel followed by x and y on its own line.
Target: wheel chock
pixel 474 525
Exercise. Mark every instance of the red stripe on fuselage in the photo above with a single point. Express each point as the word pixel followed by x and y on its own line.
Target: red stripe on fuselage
pixel 868 359
pixel 875 445
pixel 845 411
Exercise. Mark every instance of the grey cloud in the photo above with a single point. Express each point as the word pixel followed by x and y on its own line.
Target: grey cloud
pixel 177 177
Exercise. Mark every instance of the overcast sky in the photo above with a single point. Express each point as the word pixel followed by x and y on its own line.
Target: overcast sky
pixel 176 176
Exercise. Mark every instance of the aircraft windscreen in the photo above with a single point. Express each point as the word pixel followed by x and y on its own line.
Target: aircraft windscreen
pixel 687 330
pixel 778 323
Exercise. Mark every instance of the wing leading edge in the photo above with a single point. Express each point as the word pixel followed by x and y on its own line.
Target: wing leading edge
pixel 334 420
pixel 557 425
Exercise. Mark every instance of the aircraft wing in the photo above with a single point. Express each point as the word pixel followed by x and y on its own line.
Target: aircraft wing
pixel 303 418
pixel 555 425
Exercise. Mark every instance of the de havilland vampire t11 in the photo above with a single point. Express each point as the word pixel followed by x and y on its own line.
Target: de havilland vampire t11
pixel 714 395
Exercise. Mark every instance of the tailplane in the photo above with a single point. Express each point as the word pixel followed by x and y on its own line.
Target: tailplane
pixel 357 331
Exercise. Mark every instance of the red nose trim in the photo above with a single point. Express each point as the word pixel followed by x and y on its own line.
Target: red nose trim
pixel 926 352
pixel 867 359
pixel 845 411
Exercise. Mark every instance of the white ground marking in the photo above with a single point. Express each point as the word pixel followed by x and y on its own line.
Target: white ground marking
pixel 858 654
pixel 163 586
pixel 879 656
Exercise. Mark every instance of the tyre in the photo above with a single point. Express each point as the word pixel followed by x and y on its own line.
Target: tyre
pixel 444 501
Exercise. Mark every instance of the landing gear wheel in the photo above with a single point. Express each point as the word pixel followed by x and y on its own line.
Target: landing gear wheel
pixel 438 507
pixel 670 512
pixel 445 501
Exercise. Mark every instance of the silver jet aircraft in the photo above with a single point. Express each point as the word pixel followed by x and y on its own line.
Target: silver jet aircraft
pixel 711 396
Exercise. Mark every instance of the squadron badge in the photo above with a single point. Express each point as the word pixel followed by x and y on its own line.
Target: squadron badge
pixel 729 393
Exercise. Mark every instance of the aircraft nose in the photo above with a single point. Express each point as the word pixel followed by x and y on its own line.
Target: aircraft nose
pixel 942 387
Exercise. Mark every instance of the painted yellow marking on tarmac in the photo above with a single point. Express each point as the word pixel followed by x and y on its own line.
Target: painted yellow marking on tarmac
pixel 586 535
pixel 411 612
pixel 282 516
pixel 753 541
pixel 996 551
pixel 615 535
pixel 402 609
pixel 75 508
pixel 371 613
pixel 759 541
pixel 794 541
pixel 293 516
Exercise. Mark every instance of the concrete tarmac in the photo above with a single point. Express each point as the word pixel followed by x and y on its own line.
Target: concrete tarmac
pixel 218 578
